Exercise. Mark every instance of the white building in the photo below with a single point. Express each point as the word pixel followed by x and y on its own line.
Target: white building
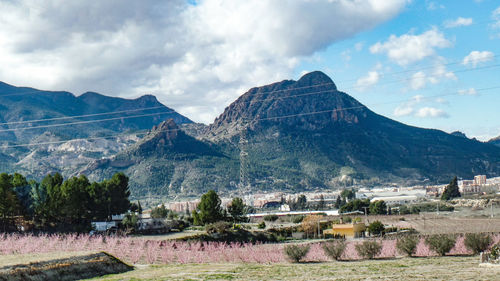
pixel 396 200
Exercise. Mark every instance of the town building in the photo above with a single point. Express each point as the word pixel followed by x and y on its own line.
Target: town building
pixel 351 230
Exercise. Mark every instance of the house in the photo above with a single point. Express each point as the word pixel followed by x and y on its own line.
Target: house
pixel 353 230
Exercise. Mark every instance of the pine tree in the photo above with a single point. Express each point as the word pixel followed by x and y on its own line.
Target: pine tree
pixel 210 208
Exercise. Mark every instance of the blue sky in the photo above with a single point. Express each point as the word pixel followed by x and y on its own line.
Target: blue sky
pixel 420 62
pixel 474 114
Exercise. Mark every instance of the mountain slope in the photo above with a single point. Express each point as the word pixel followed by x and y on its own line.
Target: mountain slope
pixel 23 117
pixel 305 134
pixel 167 161
pixel 495 141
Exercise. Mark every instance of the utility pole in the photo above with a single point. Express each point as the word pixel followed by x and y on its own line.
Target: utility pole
pixel 491 207
pixel 366 215
pixel 243 143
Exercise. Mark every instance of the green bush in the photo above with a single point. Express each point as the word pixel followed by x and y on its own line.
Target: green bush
pixel 296 252
pixel 297 219
pixel 368 249
pixel 441 243
pixel 495 252
pixel 219 227
pixel 270 217
pixel 407 245
pixel 334 249
pixel 261 225
pixel 376 228
pixel 477 242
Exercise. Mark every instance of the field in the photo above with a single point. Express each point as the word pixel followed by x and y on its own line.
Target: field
pixel 435 268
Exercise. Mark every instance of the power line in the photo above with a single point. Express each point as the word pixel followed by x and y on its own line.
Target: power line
pixel 80 116
pixel 142 132
pixel 85 122
pixel 258 119
pixel 363 106
pixel 252 101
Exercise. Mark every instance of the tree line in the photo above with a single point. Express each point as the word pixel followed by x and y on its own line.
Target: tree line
pixel 58 204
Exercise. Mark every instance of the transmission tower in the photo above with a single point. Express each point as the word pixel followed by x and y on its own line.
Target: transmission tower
pixel 243 145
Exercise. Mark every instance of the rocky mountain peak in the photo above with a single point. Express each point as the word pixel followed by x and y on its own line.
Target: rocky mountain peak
pixel 315 78
pixel 166 130
pixel 312 103
pixel 458 134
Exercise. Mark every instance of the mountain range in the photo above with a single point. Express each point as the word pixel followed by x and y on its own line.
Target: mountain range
pixel 289 136
pixel 29 117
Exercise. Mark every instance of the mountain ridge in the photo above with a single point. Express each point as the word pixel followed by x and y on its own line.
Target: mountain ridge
pixel 306 135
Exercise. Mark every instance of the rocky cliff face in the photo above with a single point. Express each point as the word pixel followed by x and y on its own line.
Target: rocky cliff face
pixel 312 103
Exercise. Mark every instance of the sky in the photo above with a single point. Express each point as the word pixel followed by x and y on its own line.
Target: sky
pixel 430 64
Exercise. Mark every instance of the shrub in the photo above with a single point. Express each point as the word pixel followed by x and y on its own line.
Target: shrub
pixel 219 227
pixel 297 219
pixel 477 242
pixel 495 252
pixel 368 249
pixel 376 228
pixel 407 245
pixel 296 252
pixel 261 225
pixel 334 249
pixel 440 243
pixel 270 217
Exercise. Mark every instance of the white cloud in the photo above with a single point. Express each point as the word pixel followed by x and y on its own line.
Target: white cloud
pixel 458 22
pixel 410 48
pixel 403 110
pixel 370 79
pixel 476 57
pixel 195 58
pixel 418 80
pixel 442 101
pixel 408 108
pixel 431 6
pixel 359 46
pixel 431 112
pixel 470 92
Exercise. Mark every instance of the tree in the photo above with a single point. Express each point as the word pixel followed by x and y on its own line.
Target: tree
pixel 130 221
pixel 9 203
pixel 209 208
pixel 237 210
pixel 355 205
pixel 451 191
pixel 348 194
pixel 301 203
pixel 51 209
pixel 368 249
pixel 310 224
pixel 76 200
pixel 376 228
pixel 118 193
pixel 477 242
pixel 321 203
pixel 160 212
pixel 378 207
pixel 441 243
pixel 407 244
pixel 338 202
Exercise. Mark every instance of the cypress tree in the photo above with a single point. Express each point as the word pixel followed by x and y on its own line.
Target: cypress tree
pixel 451 191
